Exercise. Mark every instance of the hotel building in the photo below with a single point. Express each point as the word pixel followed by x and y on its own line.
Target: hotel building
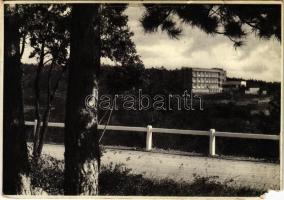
pixel 208 81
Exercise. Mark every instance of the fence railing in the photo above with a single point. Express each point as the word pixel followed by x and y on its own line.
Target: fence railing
pixel 212 133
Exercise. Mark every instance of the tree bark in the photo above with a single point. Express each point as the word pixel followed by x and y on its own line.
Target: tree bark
pixel 15 156
pixel 82 155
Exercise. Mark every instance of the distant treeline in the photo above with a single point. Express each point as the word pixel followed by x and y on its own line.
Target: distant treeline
pixel 223 117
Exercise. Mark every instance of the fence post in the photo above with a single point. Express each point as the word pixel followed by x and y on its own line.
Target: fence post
pixel 212 142
pixel 149 138
pixel 34 131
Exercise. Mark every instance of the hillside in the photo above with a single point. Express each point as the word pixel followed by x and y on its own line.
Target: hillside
pixel 233 113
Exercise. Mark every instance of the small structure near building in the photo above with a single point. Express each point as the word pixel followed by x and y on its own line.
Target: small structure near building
pixel 234 86
pixel 253 91
pixel 264 100
pixel 265 112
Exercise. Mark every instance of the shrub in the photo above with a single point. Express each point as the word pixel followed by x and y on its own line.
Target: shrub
pixel 48 175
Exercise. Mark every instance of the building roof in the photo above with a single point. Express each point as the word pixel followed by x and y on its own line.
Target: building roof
pixel 208 69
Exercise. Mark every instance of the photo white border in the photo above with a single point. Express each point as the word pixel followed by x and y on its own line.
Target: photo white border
pixel 281 142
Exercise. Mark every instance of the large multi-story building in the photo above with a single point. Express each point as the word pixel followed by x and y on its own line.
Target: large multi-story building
pixel 208 81
pixel 197 80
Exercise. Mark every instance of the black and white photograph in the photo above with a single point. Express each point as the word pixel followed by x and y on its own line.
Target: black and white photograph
pixel 131 99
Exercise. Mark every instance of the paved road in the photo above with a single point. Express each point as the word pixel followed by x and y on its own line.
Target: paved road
pixel 181 167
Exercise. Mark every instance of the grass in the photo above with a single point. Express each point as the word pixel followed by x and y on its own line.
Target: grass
pixel 118 180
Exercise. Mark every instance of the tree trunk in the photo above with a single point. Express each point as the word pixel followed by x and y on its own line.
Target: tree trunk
pixel 37 104
pixel 15 157
pixel 40 133
pixel 46 115
pixel 82 156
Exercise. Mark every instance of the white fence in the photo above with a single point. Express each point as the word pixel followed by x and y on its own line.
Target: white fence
pixel 212 133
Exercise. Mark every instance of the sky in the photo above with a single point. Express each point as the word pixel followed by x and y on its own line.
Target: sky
pixel 257 59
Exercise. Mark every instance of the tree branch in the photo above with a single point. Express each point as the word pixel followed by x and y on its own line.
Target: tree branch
pixel 23 46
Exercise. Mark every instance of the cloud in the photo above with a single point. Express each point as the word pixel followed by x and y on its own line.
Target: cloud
pixel 258 58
